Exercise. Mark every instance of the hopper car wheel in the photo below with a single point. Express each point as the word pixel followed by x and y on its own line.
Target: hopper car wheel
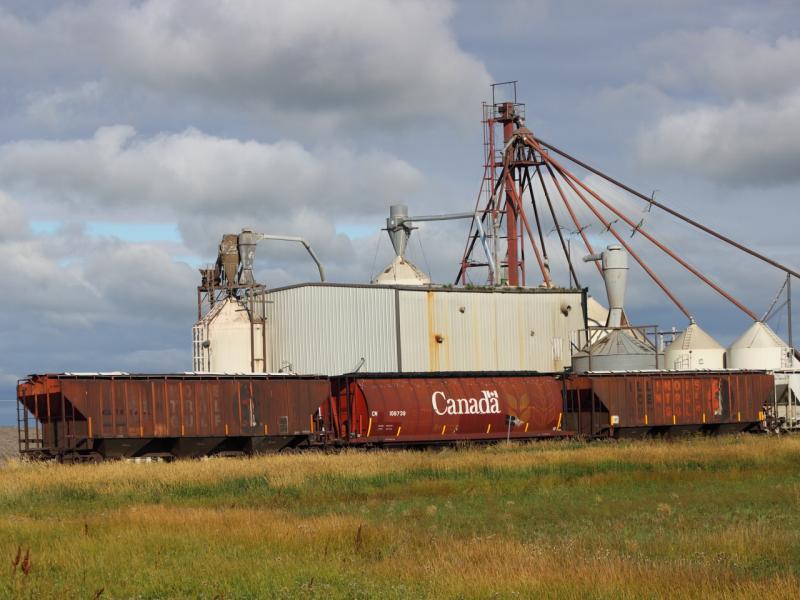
pixel 94 457
pixel 68 459
pixel 228 454
pixel 74 458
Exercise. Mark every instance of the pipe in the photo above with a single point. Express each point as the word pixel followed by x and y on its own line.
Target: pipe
pixel 558 228
pixel 671 211
pixel 293 238
pixel 627 247
pixel 574 218
pixel 527 225
pixel 470 239
pixel 569 176
pixel 451 217
pixel 527 175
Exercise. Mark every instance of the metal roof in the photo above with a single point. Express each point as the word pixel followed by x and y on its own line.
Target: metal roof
pixel 759 335
pixel 695 338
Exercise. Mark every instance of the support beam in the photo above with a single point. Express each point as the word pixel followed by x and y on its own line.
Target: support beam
pixel 558 228
pixel 570 177
pixel 609 226
pixel 575 221
pixel 651 201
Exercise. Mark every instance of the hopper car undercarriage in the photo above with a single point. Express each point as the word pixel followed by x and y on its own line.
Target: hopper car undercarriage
pixel 92 417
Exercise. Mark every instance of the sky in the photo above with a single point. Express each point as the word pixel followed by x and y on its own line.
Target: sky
pixel 133 134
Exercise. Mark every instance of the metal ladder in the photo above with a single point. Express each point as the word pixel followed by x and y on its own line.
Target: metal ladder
pixel 26 443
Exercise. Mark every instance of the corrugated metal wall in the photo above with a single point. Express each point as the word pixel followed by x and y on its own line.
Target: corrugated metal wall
pixel 475 331
pixel 327 329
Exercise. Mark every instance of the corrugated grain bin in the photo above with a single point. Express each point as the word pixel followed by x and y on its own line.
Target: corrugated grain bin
pixel 421 408
pixel 645 402
pixel 171 415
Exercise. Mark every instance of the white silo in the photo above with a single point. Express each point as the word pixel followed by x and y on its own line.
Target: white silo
pixel 400 271
pixel 694 349
pixel 618 351
pixel 228 339
pixel 615 275
pixel 760 348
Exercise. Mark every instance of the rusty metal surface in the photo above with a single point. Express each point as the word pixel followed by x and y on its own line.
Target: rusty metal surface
pixel 688 400
pixel 446 408
pixel 75 412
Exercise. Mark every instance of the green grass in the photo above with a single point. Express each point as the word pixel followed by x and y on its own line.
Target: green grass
pixel 696 518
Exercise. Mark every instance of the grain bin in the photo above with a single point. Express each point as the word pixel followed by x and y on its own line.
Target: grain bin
pixel 618 351
pixel 760 348
pixel 230 338
pixel 694 349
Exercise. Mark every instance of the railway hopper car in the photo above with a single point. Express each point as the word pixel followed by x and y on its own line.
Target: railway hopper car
pixel 644 403
pixel 389 409
pixel 78 417
pixel 75 417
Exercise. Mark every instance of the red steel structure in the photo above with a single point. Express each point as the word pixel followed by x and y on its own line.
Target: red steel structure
pixel 503 187
pixel 525 171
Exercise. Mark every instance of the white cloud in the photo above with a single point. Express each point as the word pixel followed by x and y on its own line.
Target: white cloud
pixel 79 281
pixel 742 126
pixel 13 223
pixel 375 61
pixel 728 62
pixel 55 108
pixel 744 143
pixel 192 175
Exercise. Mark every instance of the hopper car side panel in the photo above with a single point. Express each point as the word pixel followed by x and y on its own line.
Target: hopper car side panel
pixel 418 409
pixel 122 416
pixel 620 403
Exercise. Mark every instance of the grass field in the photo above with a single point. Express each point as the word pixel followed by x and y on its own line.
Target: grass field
pixel 8 443
pixel 697 518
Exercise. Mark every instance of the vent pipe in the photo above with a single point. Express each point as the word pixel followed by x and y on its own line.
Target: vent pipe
pixel 614 261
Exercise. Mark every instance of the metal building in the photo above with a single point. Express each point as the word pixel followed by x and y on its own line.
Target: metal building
pixel 328 329
pixel 331 328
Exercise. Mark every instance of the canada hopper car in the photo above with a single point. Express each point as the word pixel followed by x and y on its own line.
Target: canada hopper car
pixel 80 417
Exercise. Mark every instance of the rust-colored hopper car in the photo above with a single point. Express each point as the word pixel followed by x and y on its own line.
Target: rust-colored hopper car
pixel 79 417
pixel 96 416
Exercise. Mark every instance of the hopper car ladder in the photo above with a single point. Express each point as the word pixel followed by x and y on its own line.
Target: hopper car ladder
pixel 29 434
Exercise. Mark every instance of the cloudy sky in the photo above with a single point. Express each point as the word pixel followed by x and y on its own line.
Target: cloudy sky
pixel 133 134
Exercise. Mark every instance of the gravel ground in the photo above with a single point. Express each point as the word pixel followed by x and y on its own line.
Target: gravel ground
pixel 8 442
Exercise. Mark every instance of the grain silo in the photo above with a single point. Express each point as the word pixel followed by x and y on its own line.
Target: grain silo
pixel 618 348
pixel 694 349
pixel 229 339
pixel 760 348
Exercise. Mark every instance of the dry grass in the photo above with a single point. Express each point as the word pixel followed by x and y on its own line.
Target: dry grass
pixel 8 443
pixel 699 518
